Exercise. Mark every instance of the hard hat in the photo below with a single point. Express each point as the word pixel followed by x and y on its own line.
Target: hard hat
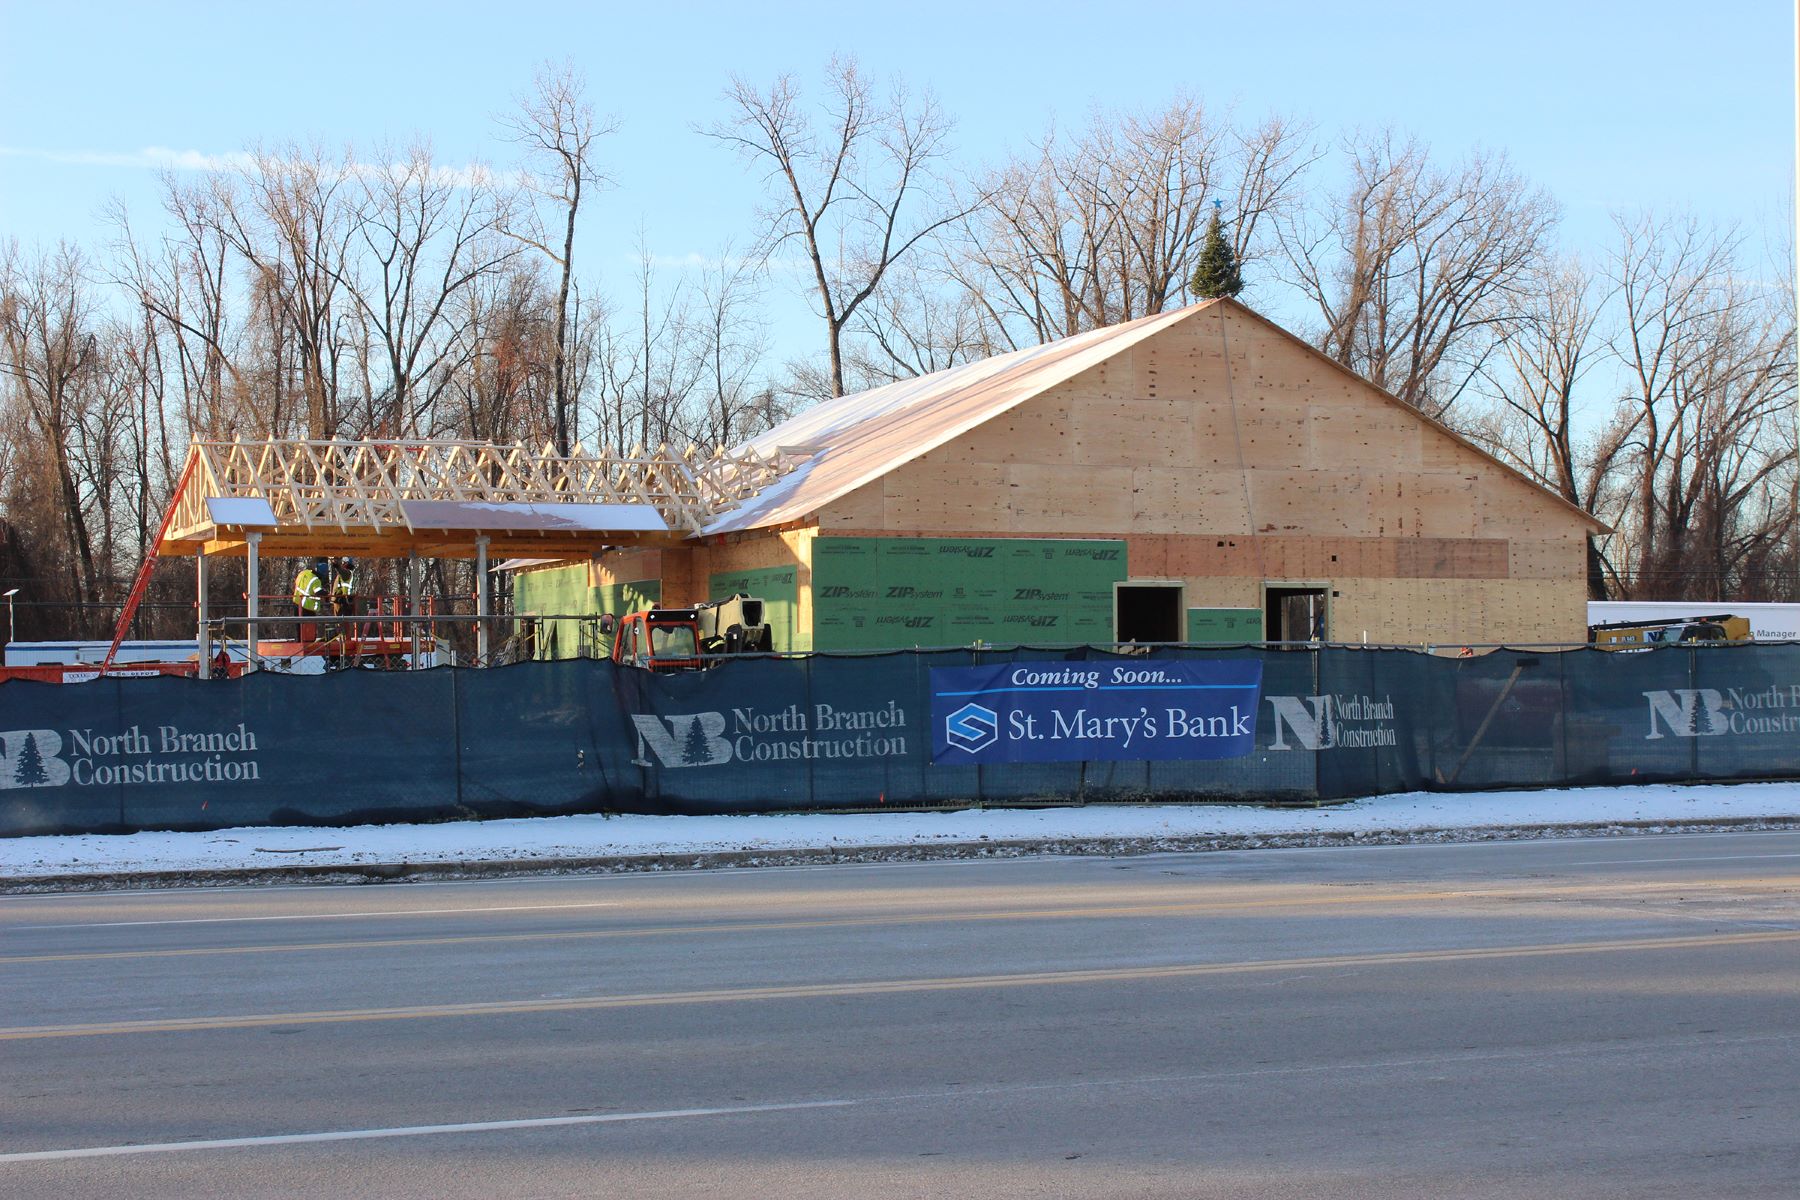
pixel 346 562
pixel 322 565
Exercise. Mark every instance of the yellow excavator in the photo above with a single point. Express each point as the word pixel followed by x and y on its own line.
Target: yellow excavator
pixel 1637 635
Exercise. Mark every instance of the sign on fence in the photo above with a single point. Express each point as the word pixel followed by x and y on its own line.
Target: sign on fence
pixel 884 730
pixel 1138 710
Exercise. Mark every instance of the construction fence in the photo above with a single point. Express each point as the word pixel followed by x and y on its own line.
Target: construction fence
pixel 895 730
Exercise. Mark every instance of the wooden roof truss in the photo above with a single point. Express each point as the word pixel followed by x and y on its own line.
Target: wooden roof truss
pixel 360 487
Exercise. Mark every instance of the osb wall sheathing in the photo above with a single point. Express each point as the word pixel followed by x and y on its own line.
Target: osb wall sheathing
pixel 1316 476
pixel 614 567
pixel 686 571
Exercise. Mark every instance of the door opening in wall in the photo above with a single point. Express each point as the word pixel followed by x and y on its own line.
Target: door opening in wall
pixel 1149 610
pixel 1295 614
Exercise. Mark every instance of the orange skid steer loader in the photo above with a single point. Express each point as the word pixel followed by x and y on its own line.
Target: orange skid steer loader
pixel 688 639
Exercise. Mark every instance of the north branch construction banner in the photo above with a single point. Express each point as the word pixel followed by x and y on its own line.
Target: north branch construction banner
pixel 883 731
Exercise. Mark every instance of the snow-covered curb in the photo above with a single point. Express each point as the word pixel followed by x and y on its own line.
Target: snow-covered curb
pixel 639 842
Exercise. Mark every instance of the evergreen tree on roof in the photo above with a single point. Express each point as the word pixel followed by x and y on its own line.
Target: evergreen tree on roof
pixel 1219 273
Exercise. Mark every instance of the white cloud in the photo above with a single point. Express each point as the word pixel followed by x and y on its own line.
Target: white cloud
pixel 162 158
pixel 150 157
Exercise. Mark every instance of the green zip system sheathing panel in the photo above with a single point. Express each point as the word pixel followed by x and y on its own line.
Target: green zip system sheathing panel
pixel 1224 626
pixel 554 590
pixel 565 591
pixel 621 599
pixel 892 593
pixel 779 590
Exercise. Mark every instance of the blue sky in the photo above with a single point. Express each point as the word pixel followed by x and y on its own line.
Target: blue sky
pixel 1667 105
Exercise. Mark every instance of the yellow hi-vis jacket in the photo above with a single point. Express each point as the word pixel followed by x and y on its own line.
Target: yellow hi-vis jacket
pixel 309 589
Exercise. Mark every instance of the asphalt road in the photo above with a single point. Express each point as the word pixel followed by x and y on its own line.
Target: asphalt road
pixel 1610 1017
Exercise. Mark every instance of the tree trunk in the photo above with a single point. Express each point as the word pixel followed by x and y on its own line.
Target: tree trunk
pixel 562 321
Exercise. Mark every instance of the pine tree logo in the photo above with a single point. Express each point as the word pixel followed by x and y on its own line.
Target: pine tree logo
pixel 694 750
pixel 1328 722
pixel 31 758
pixel 1700 723
pixel 29 771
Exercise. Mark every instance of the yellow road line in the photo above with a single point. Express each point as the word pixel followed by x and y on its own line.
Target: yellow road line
pixel 890 987
pixel 946 916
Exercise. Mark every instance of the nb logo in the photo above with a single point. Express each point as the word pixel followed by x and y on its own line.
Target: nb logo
pixel 972 728
pixel 1687 712
pixel 30 758
pixel 690 740
pixel 1309 719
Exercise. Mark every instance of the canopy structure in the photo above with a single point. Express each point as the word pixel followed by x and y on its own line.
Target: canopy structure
pixel 435 498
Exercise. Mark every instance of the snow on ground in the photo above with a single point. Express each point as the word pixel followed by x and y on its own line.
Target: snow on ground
pixel 596 837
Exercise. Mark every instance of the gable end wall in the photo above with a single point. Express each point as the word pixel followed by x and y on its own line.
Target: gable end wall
pixel 1319 479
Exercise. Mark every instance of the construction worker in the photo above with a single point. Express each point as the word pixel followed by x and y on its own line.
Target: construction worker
pixel 343 589
pixel 309 596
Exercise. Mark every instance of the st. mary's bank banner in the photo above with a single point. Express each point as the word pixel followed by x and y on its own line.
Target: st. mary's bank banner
pixel 1094 711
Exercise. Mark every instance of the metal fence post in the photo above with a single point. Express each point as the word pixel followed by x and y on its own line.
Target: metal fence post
pixel 1328 721
pixel 812 795
pixel 456 754
pixel 1694 696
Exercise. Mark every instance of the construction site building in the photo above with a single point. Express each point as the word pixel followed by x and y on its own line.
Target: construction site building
pixel 1198 475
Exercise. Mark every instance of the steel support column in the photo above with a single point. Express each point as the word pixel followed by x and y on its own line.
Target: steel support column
pixel 252 598
pixel 202 633
pixel 481 601
pixel 414 584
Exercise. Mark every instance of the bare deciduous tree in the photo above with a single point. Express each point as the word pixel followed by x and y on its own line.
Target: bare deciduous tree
pixel 1537 376
pixel 1416 270
pixel 426 235
pixel 1660 397
pixel 497 375
pixel 558 128
pixel 857 195
pixel 50 347
pixel 1108 226
pixel 730 342
pixel 290 216
pixel 918 324
pixel 182 281
pixel 1708 417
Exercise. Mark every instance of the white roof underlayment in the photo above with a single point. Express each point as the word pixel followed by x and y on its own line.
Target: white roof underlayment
pixel 532 518
pixel 241 511
pixel 860 437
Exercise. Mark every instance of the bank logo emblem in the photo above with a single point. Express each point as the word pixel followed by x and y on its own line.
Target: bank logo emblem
pixel 686 740
pixel 972 728
pixel 32 758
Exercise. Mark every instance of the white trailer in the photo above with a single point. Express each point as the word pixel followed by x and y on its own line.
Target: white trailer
pixel 43 654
